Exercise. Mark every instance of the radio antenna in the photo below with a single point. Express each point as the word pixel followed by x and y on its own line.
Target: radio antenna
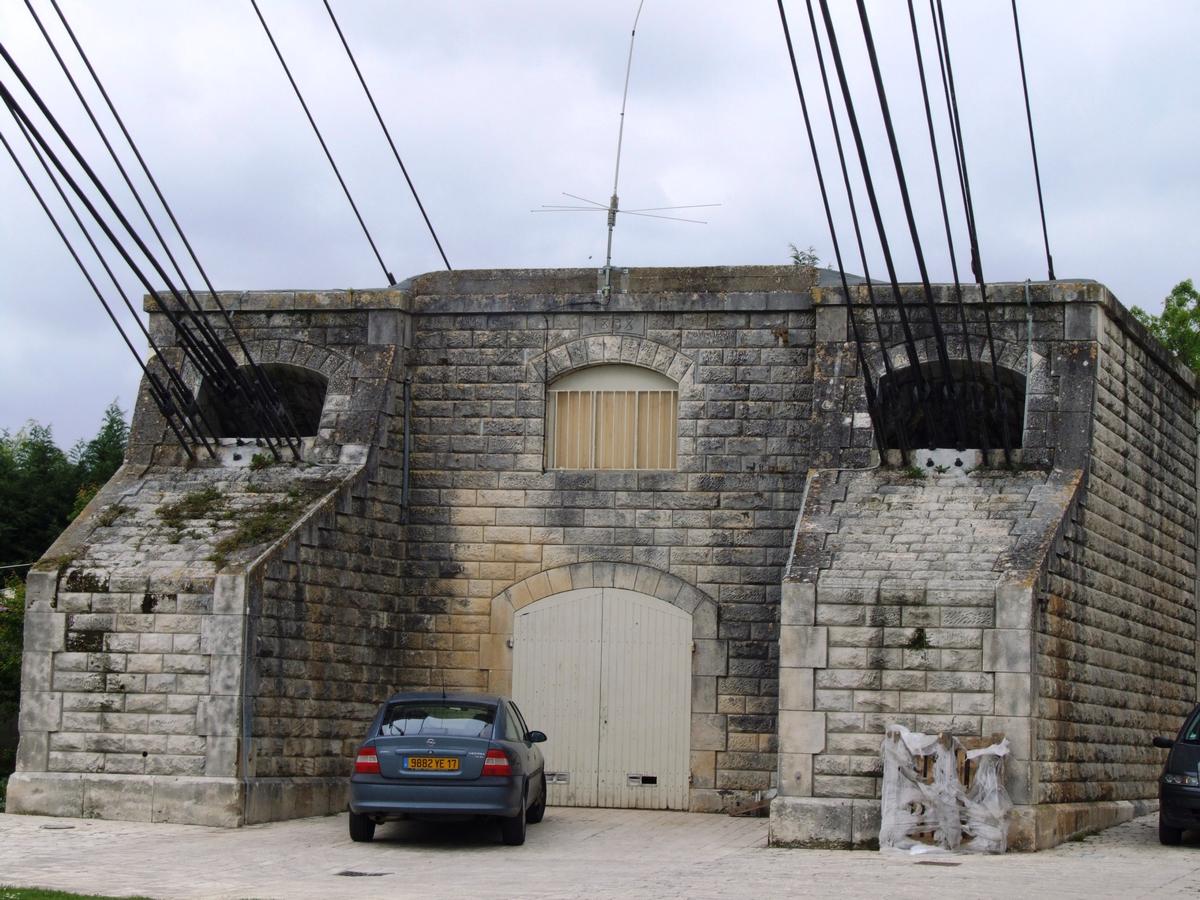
pixel 613 206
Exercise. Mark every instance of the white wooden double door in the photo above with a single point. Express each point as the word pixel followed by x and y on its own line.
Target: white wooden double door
pixel 606 673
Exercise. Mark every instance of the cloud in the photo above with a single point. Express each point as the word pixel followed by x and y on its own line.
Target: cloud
pixel 499 107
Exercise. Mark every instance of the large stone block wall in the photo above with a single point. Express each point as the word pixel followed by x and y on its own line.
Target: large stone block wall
pixel 486 516
pixel 164 682
pixel 1116 624
pixel 1089 646
pixel 237 691
pixel 904 603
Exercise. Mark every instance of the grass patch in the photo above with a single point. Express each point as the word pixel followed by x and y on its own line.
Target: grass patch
pixel 196 505
pixel 260 461
pixel 20 893
pixel 913 472
pixel 110 515
pixel 268 522
pixel 58 564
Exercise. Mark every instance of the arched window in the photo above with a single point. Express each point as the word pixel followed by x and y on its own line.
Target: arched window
pixel 612 417
pixel 982 411
pixel 301 390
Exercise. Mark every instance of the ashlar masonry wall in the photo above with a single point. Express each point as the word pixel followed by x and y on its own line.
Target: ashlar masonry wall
pixel 1115 627
pixel 174 674
pixel 1064 612
pixel 489 524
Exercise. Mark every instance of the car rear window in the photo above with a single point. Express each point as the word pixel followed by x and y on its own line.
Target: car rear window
pixel 409 718
pixel 1191 731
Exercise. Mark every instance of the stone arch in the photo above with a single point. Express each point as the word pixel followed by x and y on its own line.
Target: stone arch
pixel 349 385
pixel 335 367
pixel 1009 354
pixel 598 349
pixel 630 576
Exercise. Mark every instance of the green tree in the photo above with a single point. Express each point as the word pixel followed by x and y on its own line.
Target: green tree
pixel 96 460
pixel 38 484
pixel 1179 325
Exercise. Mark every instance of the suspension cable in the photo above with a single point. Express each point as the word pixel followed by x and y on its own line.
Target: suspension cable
pixel 887 388
pixel 188 340
pixel 1037 175
pixel 948 386
pixel 977 407
pixel 868 383
pixel 176 381
pixel 937 168
pixel 387 134
pixel 162 401
pixel 914 358
pixel 196 349
pixel 263 393
pixel 969 206
pixel 321 140
pixel 201 324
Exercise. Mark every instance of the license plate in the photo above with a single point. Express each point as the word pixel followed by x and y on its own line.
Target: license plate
pixel 432 763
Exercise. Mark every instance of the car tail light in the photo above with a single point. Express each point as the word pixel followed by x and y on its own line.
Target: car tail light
pixel 496 763
pixel 367 763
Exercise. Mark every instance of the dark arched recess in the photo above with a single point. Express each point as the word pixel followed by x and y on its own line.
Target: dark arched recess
pixel 301 390
pixel 975 410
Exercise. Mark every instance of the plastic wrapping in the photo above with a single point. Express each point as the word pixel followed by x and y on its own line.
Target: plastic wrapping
pixel 936 805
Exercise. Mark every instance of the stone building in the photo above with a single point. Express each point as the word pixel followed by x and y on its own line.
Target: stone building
pixel 658 519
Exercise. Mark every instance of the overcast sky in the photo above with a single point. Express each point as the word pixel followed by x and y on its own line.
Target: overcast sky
pixel 498 107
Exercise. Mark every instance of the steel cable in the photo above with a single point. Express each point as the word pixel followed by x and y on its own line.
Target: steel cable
pixel 387 134
pixel 177 382
pixel 868 383
pixel 888 388
pixel 160 395
pixel 278 416
pixel 321 140
pixel 947 388
pixel 1037 175
pixel 947 70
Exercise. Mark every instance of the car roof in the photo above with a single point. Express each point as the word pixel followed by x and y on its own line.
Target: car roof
pixel 456 696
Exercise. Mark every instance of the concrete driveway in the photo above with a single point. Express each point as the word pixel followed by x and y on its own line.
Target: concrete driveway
pixel 573 853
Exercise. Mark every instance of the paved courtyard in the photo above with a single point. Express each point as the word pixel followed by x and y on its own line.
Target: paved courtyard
pixel 573 853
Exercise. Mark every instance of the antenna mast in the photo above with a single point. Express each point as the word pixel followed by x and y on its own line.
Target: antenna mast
pixel 614 203
pixel 613 207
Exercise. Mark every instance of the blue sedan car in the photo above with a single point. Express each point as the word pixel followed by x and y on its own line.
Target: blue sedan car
pixel 435 755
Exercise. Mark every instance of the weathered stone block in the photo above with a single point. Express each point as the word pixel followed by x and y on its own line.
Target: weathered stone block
pixel 801 731
pixel 710 658
pixel 803 646
pixel 708 731
pixel 811 822
pixel 798 603
pixel 796 689
pixel 40 711
pixel 1007 650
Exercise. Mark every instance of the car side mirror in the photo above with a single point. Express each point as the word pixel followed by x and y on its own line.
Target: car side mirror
pixel 1164 743
pixel 536 737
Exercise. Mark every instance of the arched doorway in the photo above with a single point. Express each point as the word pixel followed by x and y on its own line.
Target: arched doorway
pixel 606 673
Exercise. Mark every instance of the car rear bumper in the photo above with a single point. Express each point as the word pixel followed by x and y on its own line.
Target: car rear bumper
pixel 389 798
pixel 1179 806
